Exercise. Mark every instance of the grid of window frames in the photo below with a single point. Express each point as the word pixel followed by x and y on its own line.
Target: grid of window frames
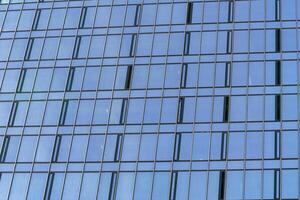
pixel 146 99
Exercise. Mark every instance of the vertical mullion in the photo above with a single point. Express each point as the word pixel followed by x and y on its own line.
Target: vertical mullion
pixel 4 148
pixel 226 103
pixel 70 79
pixel 56 148
pixel 173 187
pixel 278 72
pixel 187 39
pixel 133 45
pixel 227 74
pixel 118 148
pixel 183 78
pixel 76 47
pixel 277 40
pixel 223 154
pixel 137 15
pixel 112 186
pixel 189 15
pixel 277 107
pixel 28 49
pixel 82 17
pixel 180 110
pixel 123 113
pixel 177 146
pixel 230 10
pixel 222 179
pixel 36 19
pixel 277 145
pixel 63 113
pixel 13 113
pixel 277 10
pixel 277 184
pixel 229 42
pixel 21 80
pixel 49 186
pixel 128 77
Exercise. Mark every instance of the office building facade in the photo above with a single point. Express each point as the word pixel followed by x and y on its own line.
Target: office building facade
pixel 147 99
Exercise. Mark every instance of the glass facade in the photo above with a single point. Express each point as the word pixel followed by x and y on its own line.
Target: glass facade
pixel 149 99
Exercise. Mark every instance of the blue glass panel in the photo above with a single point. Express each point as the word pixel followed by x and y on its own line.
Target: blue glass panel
pixel 201 146
pixel 37 186
pixel 198 186
pixel 163 14
pixel 147 147
pixel 45 149
pixel 253 185
pixel 234 186
pixel 78 149
pixel 26 20
pixel 95 148
pixel 27 148
pixel 10 81
pixel 161 185
pixel 169 110
pixel 135 111
pixel 72 186
pixel 72 18
pixel 143 185
pixel 35 113
pixel 101 112
pixel 52 113
pixel 19 186
pixel 125 186
pixel 89 186
pixel 290 184
pixel 165 147
pixel 85 112
pixel 236 145
pixel 5 182
pixel 57 186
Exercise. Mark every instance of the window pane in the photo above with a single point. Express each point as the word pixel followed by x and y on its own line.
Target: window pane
pixel 78 149
pixel 125 186
pixel 27 149
pixel 234 186
pixel 72 18
pixel 290 184
pixel 135 111
pixel 5 108
pixel 253 185
pixel 201 146
pixel 289 144
pixel 89 186
pixel 5 182
pixel 95 148
pixel 165 147
pixel 37 186
pixel 85 112
pixel 101 112
pixel 10 81
pixel 143 185
pixel 130 147
pixel 18 49
pixel 161 185
pixel 147 147
pixel 169 110
pixel 44 149
pixel 198 186
pixel 19 186
pixel 236 145
pixel 72 186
